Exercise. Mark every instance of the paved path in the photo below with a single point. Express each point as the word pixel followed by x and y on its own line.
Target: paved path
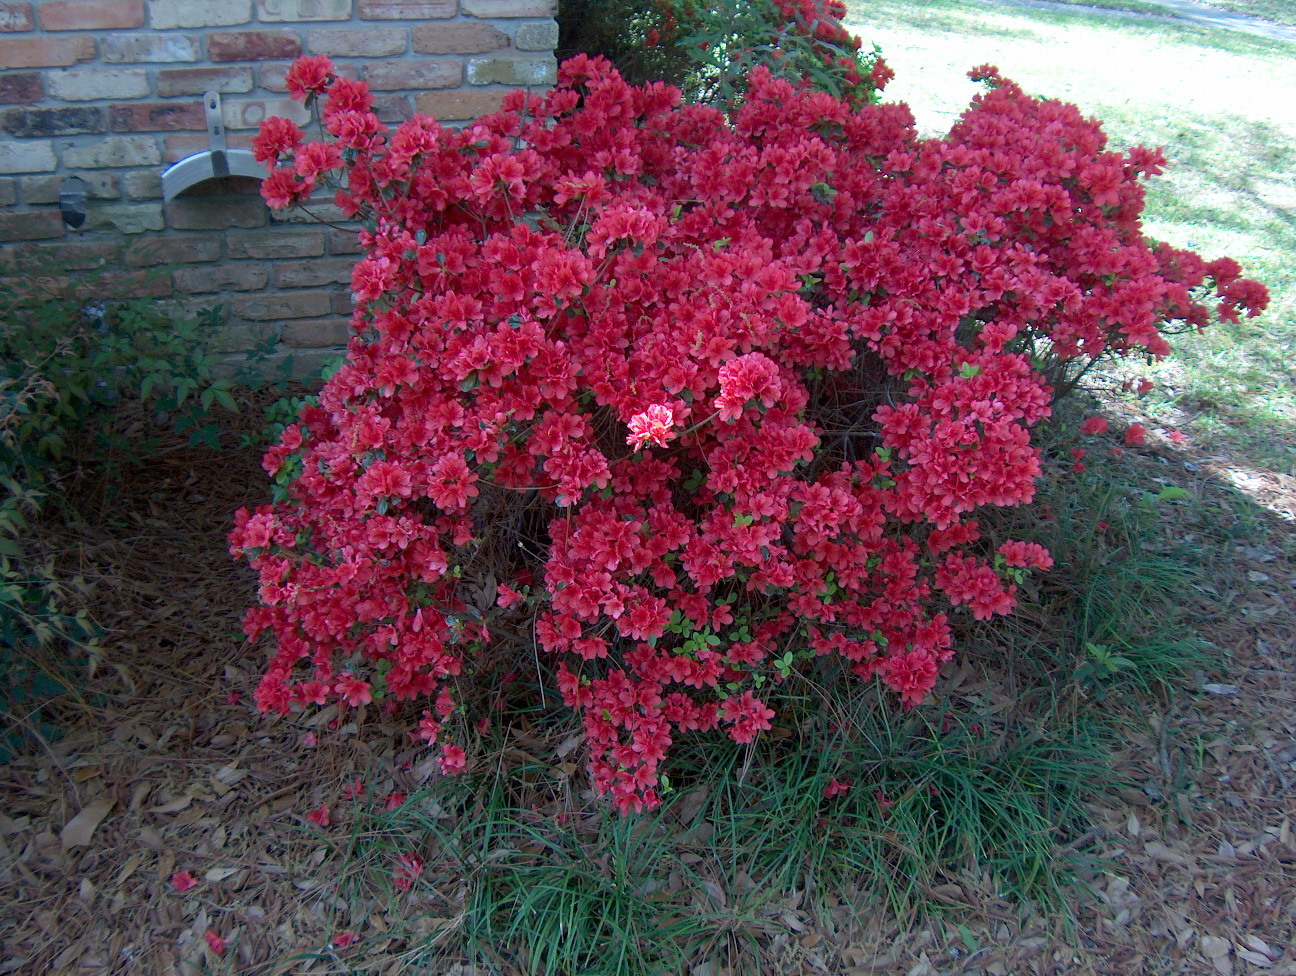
pixel 1186 10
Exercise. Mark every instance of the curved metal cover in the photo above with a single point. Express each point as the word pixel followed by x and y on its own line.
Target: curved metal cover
pixel 209 165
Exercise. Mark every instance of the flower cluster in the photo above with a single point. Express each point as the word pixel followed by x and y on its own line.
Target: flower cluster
pixel 756 371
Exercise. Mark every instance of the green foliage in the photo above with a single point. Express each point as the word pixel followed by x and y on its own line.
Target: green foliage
pixel 68 363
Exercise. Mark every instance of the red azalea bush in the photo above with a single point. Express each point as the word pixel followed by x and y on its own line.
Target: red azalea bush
pixel 757 374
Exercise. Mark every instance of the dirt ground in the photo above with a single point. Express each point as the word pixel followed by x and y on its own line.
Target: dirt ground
pixel 166 766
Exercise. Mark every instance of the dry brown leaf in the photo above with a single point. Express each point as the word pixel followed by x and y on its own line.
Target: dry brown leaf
pixel 175 806
pixel 78 831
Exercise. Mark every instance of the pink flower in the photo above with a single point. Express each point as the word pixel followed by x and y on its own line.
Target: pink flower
pixel 654 424
pixel 183 881
pixel 453 759
pixel 395 800
pixel 354 691
pixel 215 942
pixel 409 868
pixel 319 817
pixel 1135 434
pixel 1177 436
pixel 837 787
pixel 344 939
pixel 353 790
pixel 309 76
pixel 1094 425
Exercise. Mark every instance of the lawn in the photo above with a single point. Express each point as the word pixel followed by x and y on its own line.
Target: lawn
pixel 1221 105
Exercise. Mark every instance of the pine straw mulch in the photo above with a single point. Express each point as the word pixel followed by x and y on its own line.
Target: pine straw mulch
pixel 165 765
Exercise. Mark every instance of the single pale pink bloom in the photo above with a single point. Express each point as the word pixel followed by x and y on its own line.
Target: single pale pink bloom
pixel 216 943
pixel 183 881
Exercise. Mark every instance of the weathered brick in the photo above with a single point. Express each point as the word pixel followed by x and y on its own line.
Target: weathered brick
pixel 342 303
pixel 419 75
pixel 27 157
pixel 178 145
pixel 392 108
pixel 348 42
pixel 166 14
pixel 315 333
pixel 511 71
pixel 70 255
pixel 142 184
pixel 17 87
pixel 59 15
pixel 273 77
pixel 263 45
pixel 112 151
pixel 236 337
pixel 16 17
pixel 270 11
pixel 8 191
pixel 510 8
pixel 31 225
pixel 241 114
pixel 344 242
pixel 321 209
pixel 196 81
pixel 541 35
pixel 45 52
pixel 125 218
pixel 142 284
pixel 453 106
pixel 312 274
pixel 188 212
pixel 157 116
pixel 45 189
pixel 241 276
pixel 173 250
pixel 93 84
pixel 160 48
pixel 35 122
pixel 277 244
pixel 272 306
pixel 407 9
pixel 458 38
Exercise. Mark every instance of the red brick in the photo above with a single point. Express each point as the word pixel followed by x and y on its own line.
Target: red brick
pixel 17 87
pixel 71 255
pixel 60 15
pixel 142 284
pixel 369 42
pixel 173 250
pixel 216 212
pixel 157 116
pixel 456 106
pixel 239 276
pixel 263 45
pixel 407 9
pixel 342 304
pixel 416 75
pixel 272 306
pixel 344 242
pixel 45 52
pixel 277 244
pixel 392 108
pixel 510 8
pixel 196 81
pixel 32 225
pixel 178 145
pixel 315 333
pixel 15 17
pixel 312 274
pixel 458 38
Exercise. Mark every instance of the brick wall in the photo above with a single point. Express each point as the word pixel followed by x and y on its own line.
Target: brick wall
pixel 111 91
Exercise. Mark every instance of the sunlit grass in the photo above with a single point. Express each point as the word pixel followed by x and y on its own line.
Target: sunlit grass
pixel 1221 105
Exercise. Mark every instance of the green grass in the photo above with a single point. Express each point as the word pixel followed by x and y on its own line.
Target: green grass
pixel 1279 11
pixel 1220 104
pixel 1129 6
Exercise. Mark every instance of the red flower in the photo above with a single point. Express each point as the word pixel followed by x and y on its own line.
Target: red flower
pixel 1135 434
pixel 182 881
pixel 837 787
pixel 319 817
pixel 1094 425
pixel 215 942
pixel 309 76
